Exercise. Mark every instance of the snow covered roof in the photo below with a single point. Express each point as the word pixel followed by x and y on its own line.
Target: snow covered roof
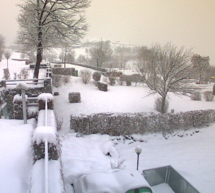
pixel 117 181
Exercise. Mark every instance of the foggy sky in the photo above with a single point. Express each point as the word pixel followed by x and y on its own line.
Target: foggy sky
pixel 189 23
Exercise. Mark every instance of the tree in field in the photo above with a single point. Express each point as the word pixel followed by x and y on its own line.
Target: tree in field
pixel 121 57
pixel 48 23
pixel 101 53
pixel 7 55
pixel 165 69
pixel 2 46
pixel 200 64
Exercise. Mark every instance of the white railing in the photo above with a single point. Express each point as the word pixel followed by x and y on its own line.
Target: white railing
pixel 46 152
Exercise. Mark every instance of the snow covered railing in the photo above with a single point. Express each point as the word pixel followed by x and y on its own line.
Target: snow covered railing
pixel 27 81
pixel 46 150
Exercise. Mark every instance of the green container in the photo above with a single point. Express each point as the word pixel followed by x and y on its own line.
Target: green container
pixel 140 190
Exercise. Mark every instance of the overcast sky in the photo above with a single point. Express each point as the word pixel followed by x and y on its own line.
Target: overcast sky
pixel 189 23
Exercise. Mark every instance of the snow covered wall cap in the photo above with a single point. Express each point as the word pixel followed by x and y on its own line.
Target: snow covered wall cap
pixel 45 96
pixel 22 85
pixel 43 133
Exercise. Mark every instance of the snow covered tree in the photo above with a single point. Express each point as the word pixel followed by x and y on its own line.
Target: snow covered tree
pixel 48 23
pixel 101 53
pixel 7 55
pixel 200 64
pixel 166 69
pixel 2 46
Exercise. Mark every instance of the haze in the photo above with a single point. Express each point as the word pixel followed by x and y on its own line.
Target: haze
pixel 189 23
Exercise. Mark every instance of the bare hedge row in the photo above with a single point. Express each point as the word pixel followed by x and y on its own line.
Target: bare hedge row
pixel 139 123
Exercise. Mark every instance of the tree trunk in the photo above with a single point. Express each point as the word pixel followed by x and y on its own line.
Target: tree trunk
pixel 163 104
pixel 39 56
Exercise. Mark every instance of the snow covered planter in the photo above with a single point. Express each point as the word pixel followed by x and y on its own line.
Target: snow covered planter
pixel 41 134
pixel 102 86
pixel 140 123
pixel 42 99
pixel 74 97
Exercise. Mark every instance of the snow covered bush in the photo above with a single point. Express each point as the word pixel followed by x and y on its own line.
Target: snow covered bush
pixel 208 96
pixel 6 74
pixel 140 123
pixel 24 74
pixel 85 75
pixel 158 105
pixel 118 164
pixel 66 79
pixel 74 97
pixel 112 81
pixel 56 80
pixel 96 76
pixel 128 82
pixel 196 96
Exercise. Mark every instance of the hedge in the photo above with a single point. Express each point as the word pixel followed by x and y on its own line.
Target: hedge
pixel 139 123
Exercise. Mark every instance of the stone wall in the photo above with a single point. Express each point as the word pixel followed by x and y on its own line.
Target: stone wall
pixel 140 123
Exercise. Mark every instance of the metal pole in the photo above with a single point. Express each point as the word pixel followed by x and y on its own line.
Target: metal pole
pixel 46 153
pixel 137 160
pixel 24 107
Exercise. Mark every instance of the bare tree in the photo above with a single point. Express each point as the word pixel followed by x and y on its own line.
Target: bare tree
pixel 7 55
pixel 166 69
pixel 201 65
pixel 47 23
pixel 2 46
pixel 120 55
pixel 101 53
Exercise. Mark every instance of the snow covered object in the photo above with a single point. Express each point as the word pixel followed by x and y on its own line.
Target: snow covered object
pixel 117 181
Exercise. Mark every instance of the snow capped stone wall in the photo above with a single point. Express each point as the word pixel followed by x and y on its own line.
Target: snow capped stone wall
pixel 140 123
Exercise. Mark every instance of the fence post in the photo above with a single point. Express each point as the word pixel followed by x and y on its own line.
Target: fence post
pixel 24 107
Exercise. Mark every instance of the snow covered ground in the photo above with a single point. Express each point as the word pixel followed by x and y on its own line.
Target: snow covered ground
pixel 191 152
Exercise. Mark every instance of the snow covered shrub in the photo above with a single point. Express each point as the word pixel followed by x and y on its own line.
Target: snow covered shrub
pixel 112 81
pixel 85 75
pixel 56 80
pixel 128 82
pixel 158 105
pixel 74 97
pixel 59 122
pixel 196 96
pixel 208 95
pixel 96 76
pixel 118 164
pixel 6 74
pixel 24 74
pixel 119 81
pixel 66 79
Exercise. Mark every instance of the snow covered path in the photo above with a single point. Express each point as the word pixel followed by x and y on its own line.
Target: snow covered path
pixel 15 155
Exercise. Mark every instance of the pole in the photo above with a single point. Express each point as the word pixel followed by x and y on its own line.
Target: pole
pixel 24 107
pixel 137 160
pixel 46 153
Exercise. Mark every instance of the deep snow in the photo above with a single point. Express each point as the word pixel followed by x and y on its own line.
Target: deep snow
pixel 191 152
